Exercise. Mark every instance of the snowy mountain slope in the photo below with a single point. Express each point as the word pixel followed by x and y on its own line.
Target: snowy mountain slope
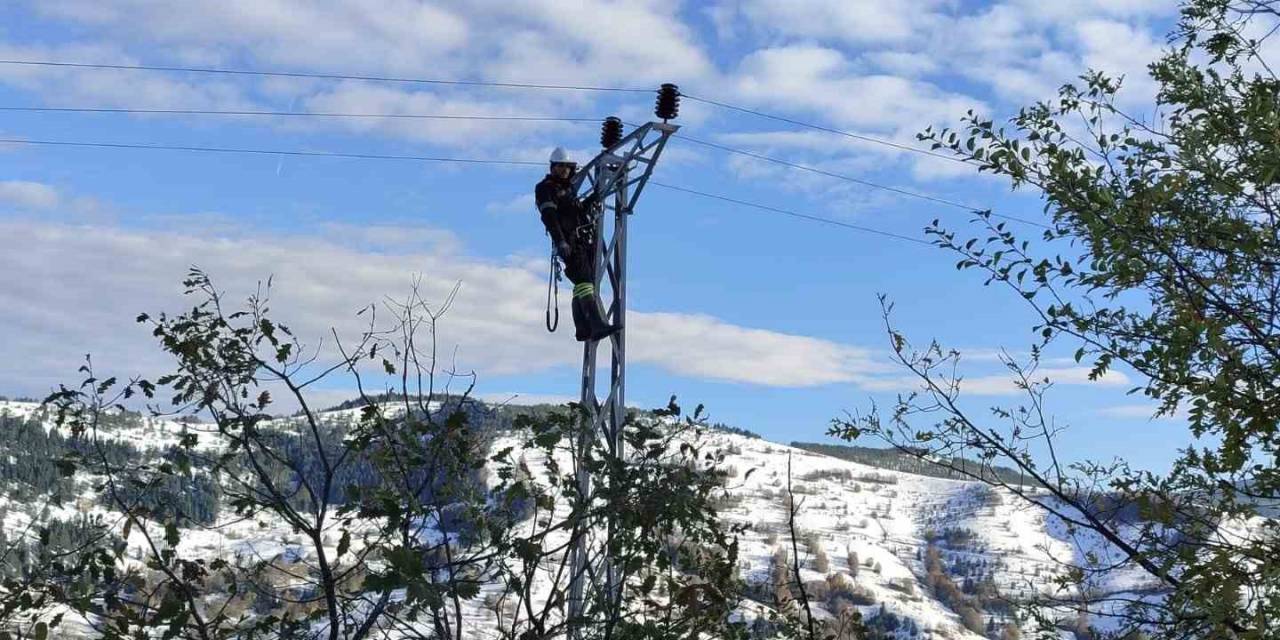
pixel 884 521
pixel 887 518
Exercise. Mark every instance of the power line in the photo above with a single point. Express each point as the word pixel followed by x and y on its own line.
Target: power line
pixel 793 165
pixel 425 116
pixel 267 152
pixel 318 76
pixel 318 114
pixel 473 83
pixel 818 127
pixel 373 156
pixel 848 178
pixel 794 214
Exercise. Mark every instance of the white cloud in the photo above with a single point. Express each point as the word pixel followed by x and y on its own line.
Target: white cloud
pixel 705 347
pixel 28 195
pixel 26 198
pixel 66 86
pixel 822 80
pixel 814 80
pixel 365 98
pixel 811 142
pixel 72 290
pixel 1120 49
pixel 865 65
pixel 594 41
pixel 393 239
pixel 350 34
pixel 852 21
pixel 903 63
pixel 539 41
pixel 1022 49
pixel 1070 12
pixel 1003 384
pixel 521 40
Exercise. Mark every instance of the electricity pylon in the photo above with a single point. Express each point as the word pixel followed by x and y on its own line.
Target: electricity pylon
pixel 617 177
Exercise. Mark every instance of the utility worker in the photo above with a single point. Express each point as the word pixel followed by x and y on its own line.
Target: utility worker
pixel 573 230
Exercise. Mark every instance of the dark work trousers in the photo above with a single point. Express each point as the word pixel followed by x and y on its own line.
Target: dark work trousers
pixel 580 266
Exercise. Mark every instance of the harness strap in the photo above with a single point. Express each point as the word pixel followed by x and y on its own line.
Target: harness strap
pixel 553 292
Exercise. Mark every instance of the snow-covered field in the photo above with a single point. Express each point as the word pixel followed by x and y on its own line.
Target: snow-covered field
pixel 845 508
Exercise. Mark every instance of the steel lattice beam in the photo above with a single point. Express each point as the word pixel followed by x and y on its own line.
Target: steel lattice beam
pixel 617 176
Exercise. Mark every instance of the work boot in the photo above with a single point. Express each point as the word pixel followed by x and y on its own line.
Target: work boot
pixel 599 328
pixel 581 326
pixel 588 322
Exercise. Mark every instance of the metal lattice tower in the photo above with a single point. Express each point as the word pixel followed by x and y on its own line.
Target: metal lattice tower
pixel 617 176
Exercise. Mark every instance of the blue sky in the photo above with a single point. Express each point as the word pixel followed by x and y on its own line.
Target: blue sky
pixel 772 322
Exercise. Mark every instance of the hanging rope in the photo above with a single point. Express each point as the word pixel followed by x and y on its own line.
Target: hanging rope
pixel 553 292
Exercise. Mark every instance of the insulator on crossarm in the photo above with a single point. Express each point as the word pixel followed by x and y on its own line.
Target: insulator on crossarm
pixel 611 132
pixel 668 106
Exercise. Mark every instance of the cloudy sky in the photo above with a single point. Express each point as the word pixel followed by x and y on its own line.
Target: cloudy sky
pixel 770 321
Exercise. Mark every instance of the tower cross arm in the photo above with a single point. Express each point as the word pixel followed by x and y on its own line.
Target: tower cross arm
pixel 641 147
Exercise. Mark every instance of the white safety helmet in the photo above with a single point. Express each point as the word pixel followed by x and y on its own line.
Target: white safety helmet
pixel 560 156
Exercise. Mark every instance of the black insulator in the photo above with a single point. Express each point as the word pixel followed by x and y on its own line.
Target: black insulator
pixel 611 132
pixel 668 102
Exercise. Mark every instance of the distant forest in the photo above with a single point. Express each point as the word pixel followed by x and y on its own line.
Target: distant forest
pixel 895 460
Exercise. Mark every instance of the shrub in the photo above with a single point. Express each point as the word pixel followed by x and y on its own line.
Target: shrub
pixel 821 563
pixel 817 590
pixel 878 478
pixel 827 474
pixel 842 589
pixel 971 619
pixel 906 585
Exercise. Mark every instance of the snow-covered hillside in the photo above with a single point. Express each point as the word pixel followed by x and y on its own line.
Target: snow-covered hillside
pixel 868 537
pixel 888 519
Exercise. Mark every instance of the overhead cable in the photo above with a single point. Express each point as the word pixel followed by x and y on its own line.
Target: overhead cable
pixel 848 178
pixel 427 116
pixel 266 152
pixel 374 156
pixel 476 83
pixel 794 214
pixel 315 114
pixel 319 76
pixel 818 127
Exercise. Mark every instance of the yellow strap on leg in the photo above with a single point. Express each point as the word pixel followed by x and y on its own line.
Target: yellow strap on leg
pixel 584 290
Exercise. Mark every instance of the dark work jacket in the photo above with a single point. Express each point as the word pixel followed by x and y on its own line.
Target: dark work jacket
pixel 561 210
